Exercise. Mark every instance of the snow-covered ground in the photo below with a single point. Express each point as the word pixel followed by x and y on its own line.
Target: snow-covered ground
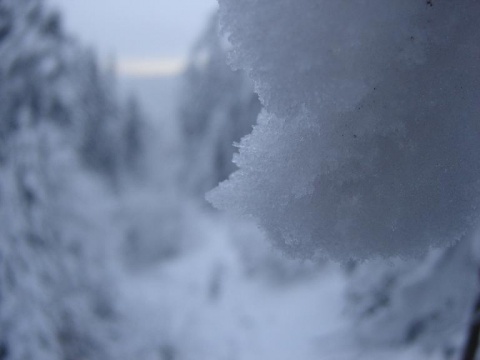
pixel 203 305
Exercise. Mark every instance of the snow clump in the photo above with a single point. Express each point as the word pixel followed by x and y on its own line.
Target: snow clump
pixel 369 142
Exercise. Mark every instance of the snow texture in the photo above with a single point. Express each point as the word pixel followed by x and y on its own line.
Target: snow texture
pixel 368 144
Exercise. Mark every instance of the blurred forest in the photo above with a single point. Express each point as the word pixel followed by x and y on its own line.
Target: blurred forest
pixel 108 249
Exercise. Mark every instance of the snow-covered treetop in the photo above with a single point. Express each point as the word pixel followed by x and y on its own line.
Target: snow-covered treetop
pixel 217 108
pixel 369 144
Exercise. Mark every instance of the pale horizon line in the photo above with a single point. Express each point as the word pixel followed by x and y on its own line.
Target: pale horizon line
pixel 150 67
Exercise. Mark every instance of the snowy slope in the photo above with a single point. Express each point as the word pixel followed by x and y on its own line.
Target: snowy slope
pixel 202 305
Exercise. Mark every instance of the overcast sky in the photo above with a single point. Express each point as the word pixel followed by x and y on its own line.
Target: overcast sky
pixel 143 35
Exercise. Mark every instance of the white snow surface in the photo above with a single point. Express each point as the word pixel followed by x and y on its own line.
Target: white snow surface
pixel 368 145
pixel 202 305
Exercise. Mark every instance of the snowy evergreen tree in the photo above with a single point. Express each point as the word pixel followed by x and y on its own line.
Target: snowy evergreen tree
pixel 217 108
pixel 132 135
pixel 109 138
pixel 58 118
